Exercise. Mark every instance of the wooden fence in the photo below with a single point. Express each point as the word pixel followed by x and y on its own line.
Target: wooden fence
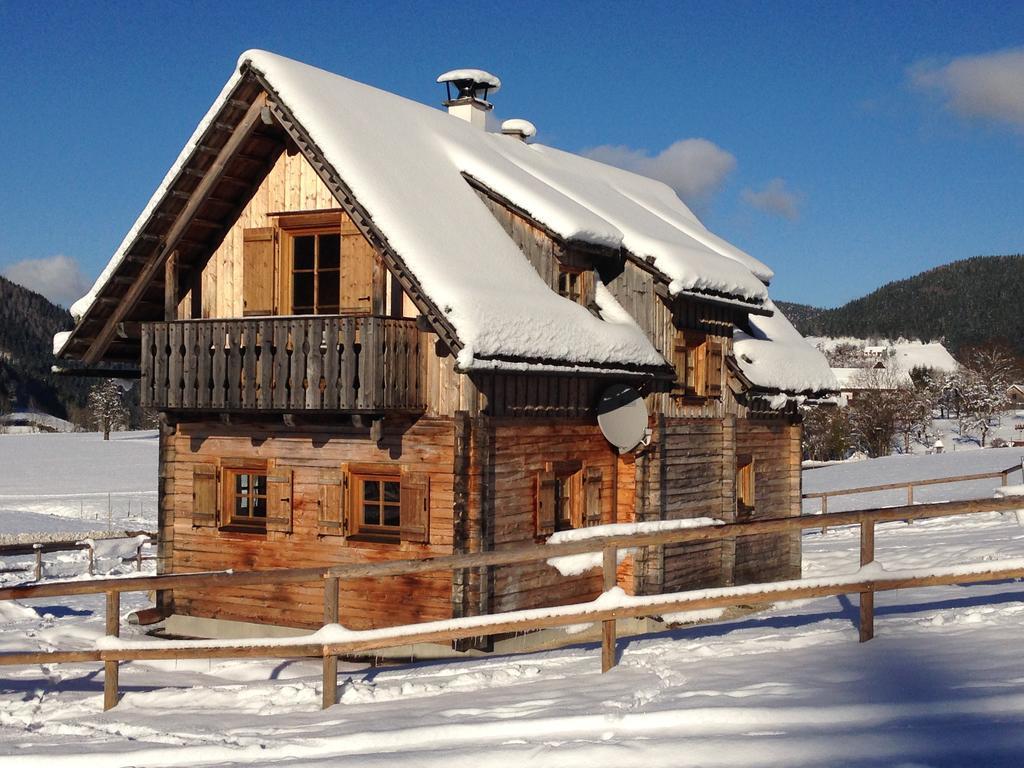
pixel 330 648
pixel 38 549
pixel 354 364
pixel 1002 474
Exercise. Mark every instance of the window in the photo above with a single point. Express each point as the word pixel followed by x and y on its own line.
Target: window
pixel 744 485
pixel 245 497
pixel 698 363
pixel 568 496
pixel 570 284
pixel 378 505
pixel 316 273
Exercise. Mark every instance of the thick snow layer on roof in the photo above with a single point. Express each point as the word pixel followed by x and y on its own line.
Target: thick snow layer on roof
pixel 405 163
pixel 404 170
pixel 775 356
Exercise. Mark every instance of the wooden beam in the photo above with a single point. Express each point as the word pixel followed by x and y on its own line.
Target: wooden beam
pixel 174 235
pixel 171 287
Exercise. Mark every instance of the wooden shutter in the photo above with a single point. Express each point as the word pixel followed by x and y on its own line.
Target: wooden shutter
pixel 415 514
pixel 258 252
pixel 279 500
pixel 545 513
pixel 204 495
pixel 357 259
pixel 592 496
pixel 332 518
pixel 714 368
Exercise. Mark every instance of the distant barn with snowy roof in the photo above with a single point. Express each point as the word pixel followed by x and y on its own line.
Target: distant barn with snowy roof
pixel 375 330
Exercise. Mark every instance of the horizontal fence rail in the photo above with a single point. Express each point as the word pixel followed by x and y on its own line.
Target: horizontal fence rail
pixel 329 646
pixel 1002 474
pixel 354 364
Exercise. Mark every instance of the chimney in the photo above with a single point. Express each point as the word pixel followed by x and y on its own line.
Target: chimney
pixel 518 128
pixel 472 87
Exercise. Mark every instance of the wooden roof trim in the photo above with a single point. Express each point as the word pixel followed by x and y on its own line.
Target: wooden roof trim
pixel 174 236
pixel 359 215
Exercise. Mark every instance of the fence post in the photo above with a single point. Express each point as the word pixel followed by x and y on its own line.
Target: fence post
pixel 330 671
pixel 92 560
pixel 824 511
pixel 609 567
pixel 138 556
pixel 910 494
pixel 867 598
pixel 110 668
pixel 39 560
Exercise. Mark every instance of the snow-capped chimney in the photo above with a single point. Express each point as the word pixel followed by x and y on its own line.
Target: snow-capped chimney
pixel 469 102
pixel 521 129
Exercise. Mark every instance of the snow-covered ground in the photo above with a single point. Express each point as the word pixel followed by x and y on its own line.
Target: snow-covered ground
pixel 77 482
pixel 942 683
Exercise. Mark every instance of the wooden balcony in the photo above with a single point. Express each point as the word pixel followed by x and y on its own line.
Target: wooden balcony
pixel 357 364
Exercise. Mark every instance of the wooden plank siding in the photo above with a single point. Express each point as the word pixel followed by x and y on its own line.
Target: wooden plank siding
pixel 774 446
pixel 423 446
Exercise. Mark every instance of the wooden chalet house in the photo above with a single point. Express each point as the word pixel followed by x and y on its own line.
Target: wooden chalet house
pixel 377 330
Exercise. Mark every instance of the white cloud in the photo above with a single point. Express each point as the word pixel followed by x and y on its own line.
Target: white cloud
pixel 58 278
pixel 694 168
pixel 774 197
pixel 988 86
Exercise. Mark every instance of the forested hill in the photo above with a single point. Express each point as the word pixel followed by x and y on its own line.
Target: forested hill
pixel 968 302
pixel 27 324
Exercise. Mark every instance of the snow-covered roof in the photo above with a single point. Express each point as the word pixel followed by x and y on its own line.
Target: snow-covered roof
pixel 775 356
pixel 406 164
pixel 872 378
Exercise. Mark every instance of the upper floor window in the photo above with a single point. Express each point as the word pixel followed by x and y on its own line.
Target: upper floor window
pixel 744 484
pixel 570 284
pixel 316 273
pixel 697 359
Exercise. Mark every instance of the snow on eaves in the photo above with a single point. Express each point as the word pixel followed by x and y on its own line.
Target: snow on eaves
pixel 774 356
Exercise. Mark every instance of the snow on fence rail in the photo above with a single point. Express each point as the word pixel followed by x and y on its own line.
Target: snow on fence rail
pixel 1003 474
pixel 110 545
pixel 333 640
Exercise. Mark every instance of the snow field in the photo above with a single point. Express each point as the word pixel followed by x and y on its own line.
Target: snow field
pixel 941 684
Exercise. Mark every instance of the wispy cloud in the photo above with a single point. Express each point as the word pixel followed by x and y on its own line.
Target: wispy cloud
pixel 775 198
pixel 988 86
pixel 58 278
pixel 694 168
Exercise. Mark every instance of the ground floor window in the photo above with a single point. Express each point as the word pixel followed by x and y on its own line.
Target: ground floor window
pixel 246 497
pixel 744 484
pixel 378 504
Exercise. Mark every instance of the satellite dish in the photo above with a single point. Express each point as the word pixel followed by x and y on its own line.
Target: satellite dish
pixel 622 417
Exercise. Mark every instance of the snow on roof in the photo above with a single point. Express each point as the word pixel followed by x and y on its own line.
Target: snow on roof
pixel 476 75
pixel 520 127
pixel 872 378
pixel 915 354
pixel 908 354
pixel 775 356
pixel 406 164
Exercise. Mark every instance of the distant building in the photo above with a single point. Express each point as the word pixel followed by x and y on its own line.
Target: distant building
pixel 30 422
pixel 1015 392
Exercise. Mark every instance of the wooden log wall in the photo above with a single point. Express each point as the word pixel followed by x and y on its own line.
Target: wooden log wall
pixel 775 448
pixel 425 445
pixel 520 452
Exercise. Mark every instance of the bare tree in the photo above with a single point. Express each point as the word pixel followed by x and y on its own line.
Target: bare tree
pixel 980 387
pixel 107 407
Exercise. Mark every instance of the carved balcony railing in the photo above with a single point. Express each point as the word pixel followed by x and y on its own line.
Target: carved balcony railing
pixel 283 364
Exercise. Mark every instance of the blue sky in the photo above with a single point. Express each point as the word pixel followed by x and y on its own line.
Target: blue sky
pixel 845 144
